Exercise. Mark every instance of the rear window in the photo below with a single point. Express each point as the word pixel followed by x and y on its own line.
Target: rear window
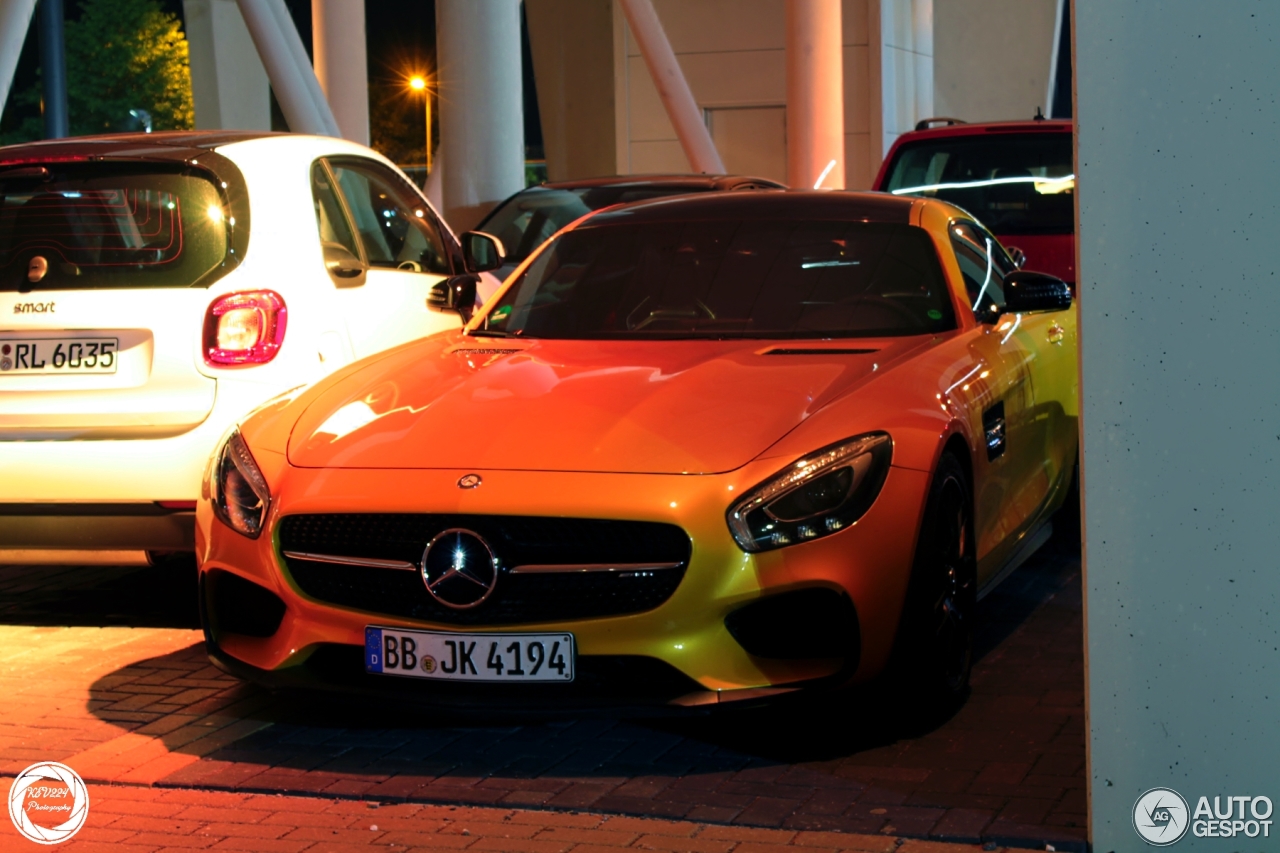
pixel 1015 183
pixel 729 279
pixel 101 225
pixel 530 218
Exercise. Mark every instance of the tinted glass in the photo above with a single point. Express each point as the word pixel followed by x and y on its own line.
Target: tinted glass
pixel 395 225
pixel 331 219
pixel 723 279
pixel 89 226
pixel 1015 183
pixel 530 218
pixel 983 265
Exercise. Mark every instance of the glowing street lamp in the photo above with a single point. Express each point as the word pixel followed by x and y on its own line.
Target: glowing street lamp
pixel 418 83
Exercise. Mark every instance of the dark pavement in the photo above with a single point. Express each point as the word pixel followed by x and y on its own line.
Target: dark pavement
pixel 129 698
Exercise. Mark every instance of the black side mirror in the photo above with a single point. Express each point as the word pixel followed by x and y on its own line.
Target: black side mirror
pixel 482 252
pixel 1033 292
pixel 456 293
pixel 344 268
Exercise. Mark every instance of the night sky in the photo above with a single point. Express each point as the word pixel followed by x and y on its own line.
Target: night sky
pixel 401 40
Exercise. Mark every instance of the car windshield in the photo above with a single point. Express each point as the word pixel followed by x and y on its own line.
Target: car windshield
pixel 102 225
pixel 530 218
pixel 726 279
pixel 1016 183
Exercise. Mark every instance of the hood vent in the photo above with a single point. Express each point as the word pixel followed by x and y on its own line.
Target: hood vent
pixel 818 351
pixel 483 351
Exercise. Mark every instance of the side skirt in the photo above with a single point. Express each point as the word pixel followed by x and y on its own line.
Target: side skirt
pixel 1030 543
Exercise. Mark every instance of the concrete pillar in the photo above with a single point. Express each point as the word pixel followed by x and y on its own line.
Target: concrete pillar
pixel 668 78
pixel 15 21
pixel 292 78
pixel 481 106
pixel 228 83
pixel 815 95
pixel 341 63
pixel 1180 405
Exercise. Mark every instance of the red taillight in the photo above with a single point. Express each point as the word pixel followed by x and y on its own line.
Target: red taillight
pixel 244 328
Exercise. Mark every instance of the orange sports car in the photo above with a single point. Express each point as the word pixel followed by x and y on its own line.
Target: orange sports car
pixel 696 450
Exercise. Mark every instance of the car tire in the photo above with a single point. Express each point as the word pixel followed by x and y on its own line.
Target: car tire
pixel 934 653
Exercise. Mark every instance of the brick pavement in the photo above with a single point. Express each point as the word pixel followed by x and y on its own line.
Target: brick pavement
pixel 141 820
pixel 144 707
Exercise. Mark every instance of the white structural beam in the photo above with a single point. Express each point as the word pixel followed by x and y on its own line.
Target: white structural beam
pixel 481 106
pixel 15 21
pixel 228 82
pixel 815 95
pixel 292 78
pixel 341 63
pixel 293 41
pixel 673 89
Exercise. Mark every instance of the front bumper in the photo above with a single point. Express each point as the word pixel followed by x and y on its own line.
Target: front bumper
pixel 318 644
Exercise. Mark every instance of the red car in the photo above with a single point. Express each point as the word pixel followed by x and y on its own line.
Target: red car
pixel 1016 177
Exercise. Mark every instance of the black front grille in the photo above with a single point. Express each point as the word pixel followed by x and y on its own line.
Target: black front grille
pixel 516 540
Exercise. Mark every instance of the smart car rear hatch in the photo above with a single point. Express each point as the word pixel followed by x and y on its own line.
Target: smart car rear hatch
pixel 105 260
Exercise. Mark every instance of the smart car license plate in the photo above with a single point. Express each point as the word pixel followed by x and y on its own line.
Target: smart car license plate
pixel 58 355
pixel 507 658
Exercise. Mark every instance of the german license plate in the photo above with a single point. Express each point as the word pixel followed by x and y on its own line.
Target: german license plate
pixel 507 658
pixel 58 355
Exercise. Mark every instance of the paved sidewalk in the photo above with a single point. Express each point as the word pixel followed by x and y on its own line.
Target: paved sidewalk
pixel 142 820
pixel 142 706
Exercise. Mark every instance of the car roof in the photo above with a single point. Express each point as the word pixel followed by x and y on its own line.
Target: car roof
pixel 135 144
pixel 694 182
pixel 1044 125
pixel 789 204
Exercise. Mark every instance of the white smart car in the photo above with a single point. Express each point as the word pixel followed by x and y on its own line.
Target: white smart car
pixel 154 288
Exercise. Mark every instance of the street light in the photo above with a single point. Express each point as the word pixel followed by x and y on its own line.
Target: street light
pixel 418 83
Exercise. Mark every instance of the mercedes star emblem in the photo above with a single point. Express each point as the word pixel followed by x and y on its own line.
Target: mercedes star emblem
pixel 459 568
pixel 469 481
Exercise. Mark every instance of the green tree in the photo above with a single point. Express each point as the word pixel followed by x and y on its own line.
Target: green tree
pixel 127 55
pixel 122 55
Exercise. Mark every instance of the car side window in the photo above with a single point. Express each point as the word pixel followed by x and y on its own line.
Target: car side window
pixel 395 226
pixel 331 219
pixel 983 264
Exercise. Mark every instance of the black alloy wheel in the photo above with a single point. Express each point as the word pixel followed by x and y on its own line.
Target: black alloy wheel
pixel 935 641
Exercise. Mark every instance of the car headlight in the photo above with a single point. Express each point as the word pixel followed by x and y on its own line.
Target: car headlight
pixel 824 492
pixel 240 495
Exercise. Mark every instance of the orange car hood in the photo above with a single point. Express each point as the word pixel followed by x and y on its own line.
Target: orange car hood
pixel 550 405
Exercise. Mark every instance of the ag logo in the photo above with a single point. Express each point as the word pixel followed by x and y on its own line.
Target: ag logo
pixel 1160 816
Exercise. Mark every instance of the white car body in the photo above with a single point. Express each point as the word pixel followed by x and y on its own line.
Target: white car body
pixel 114 460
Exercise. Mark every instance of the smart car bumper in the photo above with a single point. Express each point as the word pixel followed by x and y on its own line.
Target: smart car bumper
pixel 108 494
